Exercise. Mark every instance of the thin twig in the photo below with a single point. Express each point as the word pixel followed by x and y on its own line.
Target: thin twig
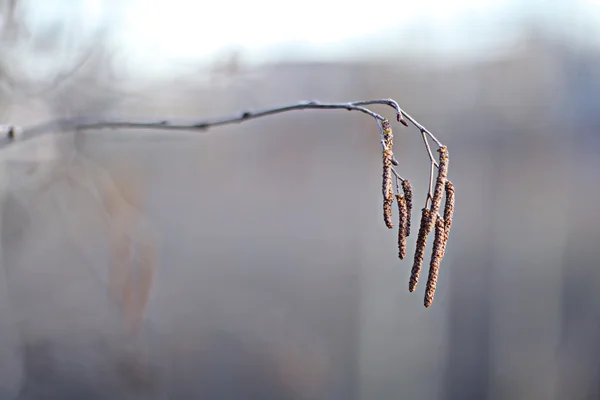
pixel 432 164
pixel 385 136
pixel 398 177
pixel 387 102
pixel 430 186
pixel 428 148
pixel 422 129
pixel 400 115
pixel 91 123
pixel 84 123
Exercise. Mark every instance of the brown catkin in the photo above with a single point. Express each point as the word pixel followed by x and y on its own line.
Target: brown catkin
pixel 387 189
pixel 449 208
pixel 440 184
pixel 388 136
pixel 402 220
pixel 386 185
pixel 408 195
pixel 424 230
pixel 387 213
pixel 437 255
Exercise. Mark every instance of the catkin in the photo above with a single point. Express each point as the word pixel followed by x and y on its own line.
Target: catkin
pixel 386 185
pixel 424 230
pixel 448 208
pixel 387 190
pixel 430 218
pixel 388 136
pixel 387 213
pixel 402 221
pixel 408 195
pixel 440 184
pixel 442 231
pixel 437 255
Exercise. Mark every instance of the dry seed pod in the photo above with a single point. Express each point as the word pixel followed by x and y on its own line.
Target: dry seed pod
pixel 407 189
pixel 424 230
pixel 437 255
pixel 402 220
pixel 436 201
pixel 449 207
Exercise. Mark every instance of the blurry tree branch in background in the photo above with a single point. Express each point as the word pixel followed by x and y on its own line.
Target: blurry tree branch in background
pixel 83 81
pixel 430 217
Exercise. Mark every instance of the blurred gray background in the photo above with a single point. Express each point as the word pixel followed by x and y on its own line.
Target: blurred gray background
pixel 276 277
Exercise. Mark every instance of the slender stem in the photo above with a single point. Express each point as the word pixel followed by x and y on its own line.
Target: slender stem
pixel 90 123
pixel 422 129
pixel 398 176
pixel 83 123
pixel 398 180
pixel 430 187
pixel 400 115
pixel 428 148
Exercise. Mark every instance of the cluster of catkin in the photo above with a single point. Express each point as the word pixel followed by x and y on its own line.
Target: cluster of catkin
pixel 431 220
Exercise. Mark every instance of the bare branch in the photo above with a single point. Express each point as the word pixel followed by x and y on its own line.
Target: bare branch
pixel 389 191
pixel 84 123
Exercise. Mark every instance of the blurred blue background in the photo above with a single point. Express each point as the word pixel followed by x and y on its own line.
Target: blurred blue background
pixel 276 276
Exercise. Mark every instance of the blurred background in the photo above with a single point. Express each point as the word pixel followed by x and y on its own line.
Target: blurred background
pixel 276 277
